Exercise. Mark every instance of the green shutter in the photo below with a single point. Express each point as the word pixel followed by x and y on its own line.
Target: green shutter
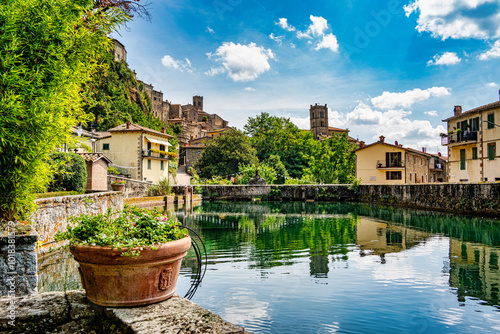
pixel 491 121
pixel 491 152
pixel 462 159
pixel 474 153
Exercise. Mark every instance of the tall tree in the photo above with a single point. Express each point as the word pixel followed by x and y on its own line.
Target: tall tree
pixel 225 153
pixel 271 135
pixel 48 48
pixel 332 161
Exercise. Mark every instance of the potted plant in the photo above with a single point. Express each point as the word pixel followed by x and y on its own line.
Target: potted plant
pixel 127 258
pixel 118 185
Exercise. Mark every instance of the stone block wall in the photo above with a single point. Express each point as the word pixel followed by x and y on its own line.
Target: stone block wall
pixel 18 263
pixel 133 188
pixel 464 198
pixel 52 214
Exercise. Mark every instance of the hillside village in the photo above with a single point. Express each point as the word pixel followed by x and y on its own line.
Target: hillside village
pixel 471 140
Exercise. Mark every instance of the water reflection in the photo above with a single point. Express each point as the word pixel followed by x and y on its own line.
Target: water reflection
pixel 321 267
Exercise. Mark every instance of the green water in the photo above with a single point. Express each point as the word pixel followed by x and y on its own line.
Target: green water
pixel 337 268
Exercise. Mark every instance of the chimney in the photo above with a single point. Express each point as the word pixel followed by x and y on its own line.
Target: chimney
pixel 128 125
pixel 361 144
pixel 439 154
pixel 423 149
pixel 163 129
pixel 382 138
pixel 396 143
pixel 457 110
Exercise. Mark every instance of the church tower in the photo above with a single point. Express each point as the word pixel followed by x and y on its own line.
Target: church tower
pixel 318 116
pixel 198 102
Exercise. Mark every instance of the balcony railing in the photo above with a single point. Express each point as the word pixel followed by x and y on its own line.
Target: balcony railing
pixel 461 138
pixel 148 153
pixel 392 164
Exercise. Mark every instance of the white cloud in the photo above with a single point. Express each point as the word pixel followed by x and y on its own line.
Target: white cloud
pixel 456 19
pixel 329 41
pixel 447 58
pixel 494 52
pixel 316 28
pixel 210 30
pixel 250 89
pixel 394 125
pixel 390 100
pixel 170 62
pixel 293 46
pixel 277 39
pixel 431 113
pixel 241 62
pixel 283 23
pixel 492 84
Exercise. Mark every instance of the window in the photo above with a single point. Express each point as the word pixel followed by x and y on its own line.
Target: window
pixel 491 151
pixel 105 147
pixel 393 175
pixel 161 165
pixel 162 147
pixel 462 159
pixel 491 121
pixel 321 114
pixel 149 164
pixel 474 124
pixel 474 153
pixel 393 159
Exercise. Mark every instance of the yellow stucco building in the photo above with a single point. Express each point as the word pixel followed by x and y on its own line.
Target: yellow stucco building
pixel 384 163
pixel 472 140
pixel 140 150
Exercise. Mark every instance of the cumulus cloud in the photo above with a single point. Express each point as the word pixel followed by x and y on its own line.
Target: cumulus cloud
pixel 329 41
pixel 394 125
pixel 277 39
pixel 431 113
pixel 316 28
pixel 494 52
pixel 456 19
pixel 492 84
pixel 241 62
pixel 447 58
pixel 250 89
pixel 283 23
pixel 390 100
pixel 170 62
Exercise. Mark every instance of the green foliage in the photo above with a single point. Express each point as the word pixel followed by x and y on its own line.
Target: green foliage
pixel 274 161
pixel 248 171
pixel 224 154
pixel 332 161
pixel 70 172
pixel 113 170
pixel 57 194
pixel 271 135
pixel 306 179
pixel 162 188
pixel 128 231
pixel 47 50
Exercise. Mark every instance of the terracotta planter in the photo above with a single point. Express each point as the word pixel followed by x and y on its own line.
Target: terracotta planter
pixel 111 279
pixel 118 187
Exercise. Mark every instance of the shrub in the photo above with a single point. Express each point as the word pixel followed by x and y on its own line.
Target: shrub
pixel 70 172
pixel 162 188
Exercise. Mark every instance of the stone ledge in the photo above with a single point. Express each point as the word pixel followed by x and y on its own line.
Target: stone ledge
pixel 70 312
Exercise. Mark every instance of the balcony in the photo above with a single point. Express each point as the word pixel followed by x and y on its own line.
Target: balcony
pixel 459 138
pixel 397 164
pixel 155 155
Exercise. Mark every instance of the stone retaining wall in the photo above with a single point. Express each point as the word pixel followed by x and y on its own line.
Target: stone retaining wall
pixel 465 198
pixel 52 214
pixel 133 188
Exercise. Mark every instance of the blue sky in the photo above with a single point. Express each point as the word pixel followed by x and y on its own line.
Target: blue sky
pixel 393 68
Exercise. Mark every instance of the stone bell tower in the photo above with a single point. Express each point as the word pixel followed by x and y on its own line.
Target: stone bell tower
pixel 318 116
pixel 198 102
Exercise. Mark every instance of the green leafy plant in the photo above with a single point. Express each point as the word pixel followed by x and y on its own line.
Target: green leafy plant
pixel 162 188
pixel 113 170
pixel 70 172
pixel 129 231
pixel 119 182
